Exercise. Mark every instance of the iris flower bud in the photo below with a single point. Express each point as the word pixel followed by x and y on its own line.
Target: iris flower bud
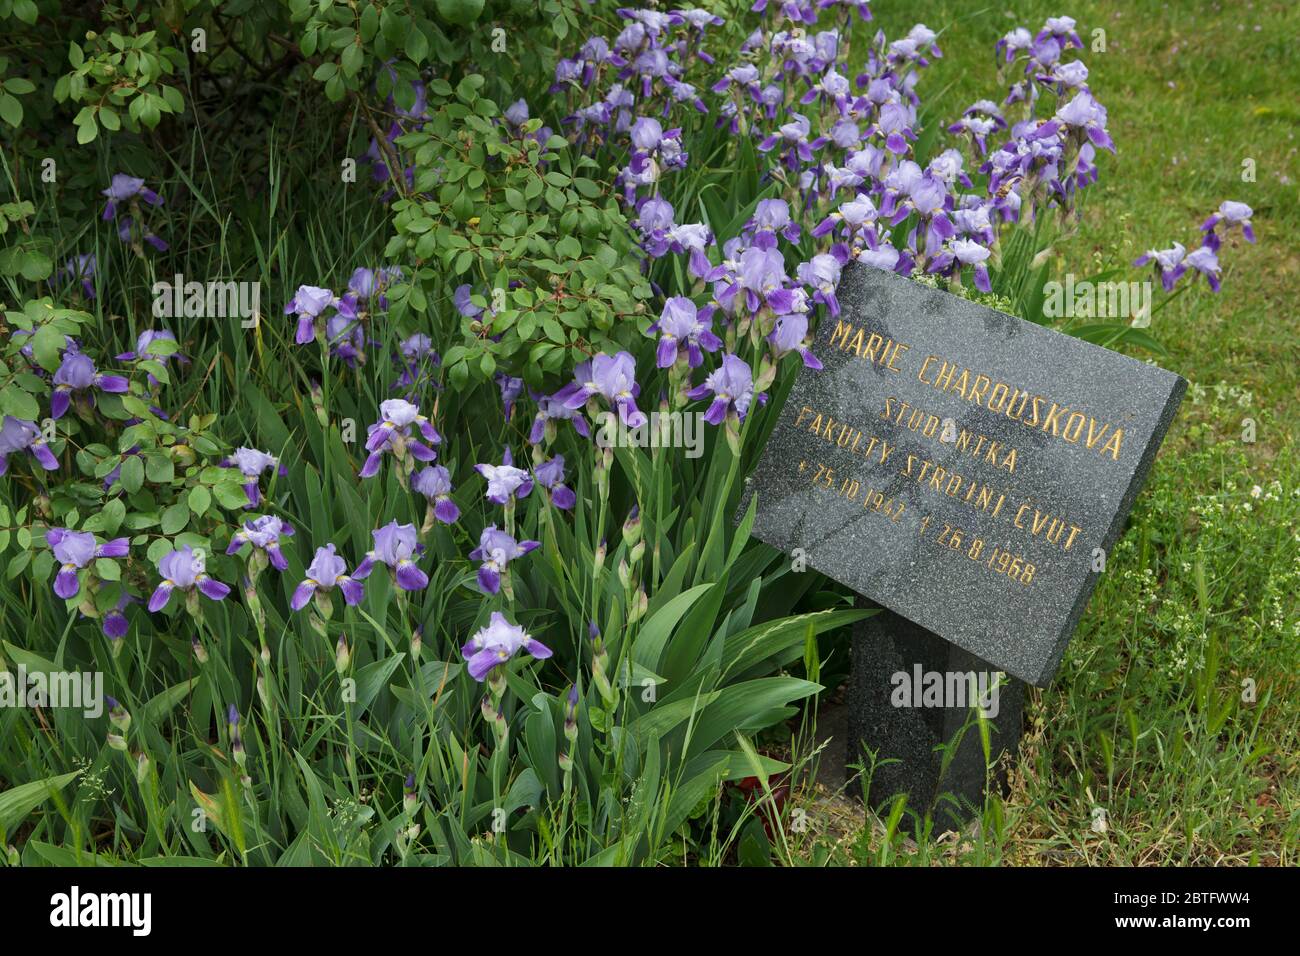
pixel 117 715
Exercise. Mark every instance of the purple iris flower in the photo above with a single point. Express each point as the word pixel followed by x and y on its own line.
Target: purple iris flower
pixel 1084 113
pixel 550 475
pixel 732 386
pixel 461 300
pixel 1232 214
pixel 397 547
pixel 496 549
pixel 647 132
pixel 78 374
pixel 611 376
pixel 308 303
pixel 368 285
pixel 346 338
pixel 495 644
pixel 822 273
pixel 132 191
pixel 511 389
pixel 263 534
pixel 1205 261
pixel 81 269
pixel 251 463
pixel 18 435
pixel 964 252
pixel 516 114
pixel 771 218
pixel 1061 29
pixel 417 358
pixel 144 350
pixel 981 120
pixel 1013 42
pixel 124 188
pixel 434 482
pixel 326 572
pixel 948 167
pixel 185 570
pixel 114 623
pixel 1168 263
pixel 895 124
pixel 854 214
pixel 549 409
pixel 683 332
pixel 656 224
pixel 694 238
pixel 761 276
pixel 505 480
pixel 885 257
pixel 393 433
pixel 74 550
pixel 789 334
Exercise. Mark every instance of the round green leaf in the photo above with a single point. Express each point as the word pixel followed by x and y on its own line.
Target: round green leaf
pixel 460 12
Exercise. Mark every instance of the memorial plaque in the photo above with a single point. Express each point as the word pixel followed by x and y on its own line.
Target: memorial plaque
pixel 964 468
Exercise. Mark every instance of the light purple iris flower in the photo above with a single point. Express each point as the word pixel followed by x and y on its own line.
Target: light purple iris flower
pixel 264 534
pixel 732 386
pixel 886 257
pixel 550 409
pixel 144 350
pixel 772 218
pixel 516 113
pixel 854 213
pixel 434 482
pixel 185 570
pixel 368 285
pixel 511 389
pixel 611 376
pixel 78 374
pixel 505 480
pixel 496 550
pixel 308 303
pixel 75 550
pixel 789 335
pixel 1205 261
pixel 393 433
pixel 114 624
pixel 695 239
pixel 495 644
pixel 251 463
pixel 396 546
pixel 18 435
pixel 131 190
pixel 81 269
pixel 346 338
pixel 326 572
pixel 1168 263
pixel 1232 214
pixel 123 188
pixel 964 252
pixel 761 276
pixel 683 331
pixel 1013 42
pixel 822 273
pixel 550 475
pixel 1083 112
pixel 418 357
pixel 460 298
